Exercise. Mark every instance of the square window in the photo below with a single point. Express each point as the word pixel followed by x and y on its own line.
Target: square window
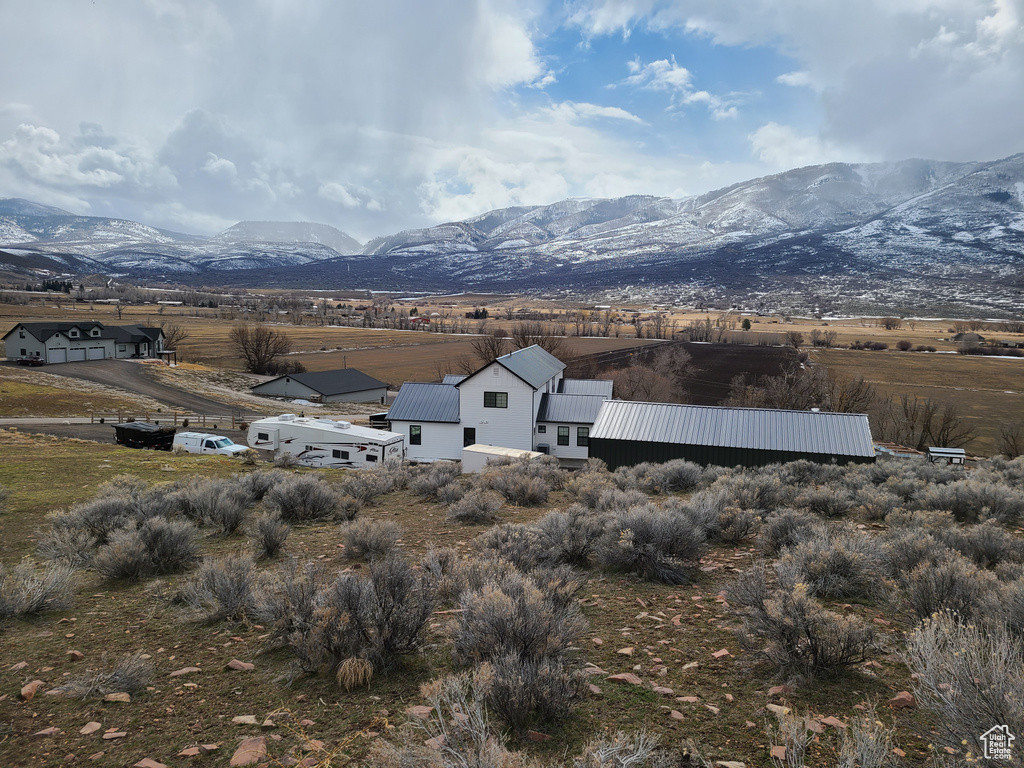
pixel 371 458
pixel 415 434
pixel 542 429
pixel 582 436
pixel 336 454
pixel 262 436
pixel 344 454
pixel 563 435
pixel 495 399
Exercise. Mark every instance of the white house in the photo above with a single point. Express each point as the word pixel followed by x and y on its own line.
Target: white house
pixel 499 404
pixel 55 342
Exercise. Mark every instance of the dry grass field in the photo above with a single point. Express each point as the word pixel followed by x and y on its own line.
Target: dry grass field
pixel 671 637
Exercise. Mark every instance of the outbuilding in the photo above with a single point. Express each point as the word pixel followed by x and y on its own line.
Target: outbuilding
pixel 946 455
pixel 345 385
pixel 627 433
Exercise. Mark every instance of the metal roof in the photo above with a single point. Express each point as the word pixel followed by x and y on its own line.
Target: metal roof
pixel 569 409
pixel 453 378
pixel 534 365
pixel 327 383
pixel 425 402
pixel 936 451
pixel 845 434
pixel 601 387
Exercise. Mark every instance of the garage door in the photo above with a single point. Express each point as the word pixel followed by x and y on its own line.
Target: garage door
pixel 76 354
pixel 56 355
pixel 96 353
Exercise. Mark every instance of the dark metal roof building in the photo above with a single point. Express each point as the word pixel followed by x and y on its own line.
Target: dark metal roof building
pixel 332 386
pixel 425 402
pixel 627 433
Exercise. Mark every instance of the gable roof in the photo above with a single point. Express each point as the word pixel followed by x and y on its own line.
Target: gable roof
pixel 569 409
pixel 132 334
pixel 841 434
pixel 327 383
pixel 602 387
pixel 43 331
pixel 453 378
pixel 534 365
pixel 425 402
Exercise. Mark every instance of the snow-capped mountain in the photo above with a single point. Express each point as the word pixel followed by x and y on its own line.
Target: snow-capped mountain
pixel 909 235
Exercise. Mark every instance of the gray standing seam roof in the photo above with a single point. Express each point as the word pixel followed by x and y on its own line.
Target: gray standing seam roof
pixel 846 434
pixel 569 409
pixel 601 387
pixel 425 402
pixel 453 378
pixel 534 365
pixel 337 382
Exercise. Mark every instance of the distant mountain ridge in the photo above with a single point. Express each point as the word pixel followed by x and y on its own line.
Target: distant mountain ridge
pixel 913 234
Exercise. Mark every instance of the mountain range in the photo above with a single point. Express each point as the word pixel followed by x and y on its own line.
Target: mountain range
pixel 914 237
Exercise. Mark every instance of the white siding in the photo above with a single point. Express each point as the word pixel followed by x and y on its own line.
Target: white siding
pixel 511 427
pixel 438 440
pixel 32 347
pixel 570 451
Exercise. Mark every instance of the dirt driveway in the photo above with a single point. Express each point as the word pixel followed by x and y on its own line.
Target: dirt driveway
pixel 135 377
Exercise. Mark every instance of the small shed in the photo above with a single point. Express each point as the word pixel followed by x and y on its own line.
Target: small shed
pixel 476 456
pixel 946 455
pixel 345 385
pixel 627 433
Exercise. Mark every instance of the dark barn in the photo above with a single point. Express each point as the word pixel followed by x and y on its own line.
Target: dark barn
pixel 628 433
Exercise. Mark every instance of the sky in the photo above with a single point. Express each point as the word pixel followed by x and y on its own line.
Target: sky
pixel 374 117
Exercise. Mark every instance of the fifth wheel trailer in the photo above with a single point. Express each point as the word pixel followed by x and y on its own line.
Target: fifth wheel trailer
pixel 318 442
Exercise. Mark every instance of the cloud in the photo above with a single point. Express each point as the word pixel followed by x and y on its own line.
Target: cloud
pixel 781 147
pixel 338 194
pixel 667 75
pixel 800 79
pixel 572 111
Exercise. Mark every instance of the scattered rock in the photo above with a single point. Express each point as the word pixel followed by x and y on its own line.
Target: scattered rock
pixel 730 764
pixel 240 666
pixel 627 651
pixel 420 711
pixel 184 671
pixel 28 690
pixel 598 641
pixel 626 677
pixel 720 653
pixel 662 690
pixel 19 666
pixel 189 752
pixel 96 755
pixel 714 710
pixel 594 671
pixel 776 709
pixel 148 762
pixel 435 743
pixel 124 698
pixel 537 736
pixel 675 714
pixel 688 699
pixel 75 655
pixel 834 722
pixel 594 689
pixel 46 732
pixel 115 735
pixel 903 700
pixel 245 720
pixel 91 727
pixel 250 751
pixel 778 752
pixel 779 690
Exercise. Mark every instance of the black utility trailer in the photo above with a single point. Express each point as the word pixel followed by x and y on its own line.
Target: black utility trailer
pixel 141 434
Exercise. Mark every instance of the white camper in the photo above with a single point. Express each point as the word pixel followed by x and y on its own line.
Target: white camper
pixel 319 442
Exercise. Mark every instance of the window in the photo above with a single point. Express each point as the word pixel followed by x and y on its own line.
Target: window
pixel 344 454
pixel 542 429
pixel 495 399
pixel 336 454
pixel 371 458
pixel 310 448
pixel 468 436
pixel 563 435
pixel 95 331
pixel 210 444
pixel 24 353
pixel 21 334
pixel 73 333
pixel 415 434
pixel 262 436
pixel 582 436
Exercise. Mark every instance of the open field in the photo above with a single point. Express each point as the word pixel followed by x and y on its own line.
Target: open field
pixel 672 633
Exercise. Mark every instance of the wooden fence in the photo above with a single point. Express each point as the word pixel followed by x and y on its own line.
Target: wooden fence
pixel 172 418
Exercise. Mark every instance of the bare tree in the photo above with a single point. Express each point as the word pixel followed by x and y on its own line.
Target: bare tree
pixel 1011 440
pixel 119 309
pixel 259 346
pixel 919 423
pixel 890 323
pixel 490 345
pixel 795 339
pixel 174 334
pixel 637 381
pixel 528 333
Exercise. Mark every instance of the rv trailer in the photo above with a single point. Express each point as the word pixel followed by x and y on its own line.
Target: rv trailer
pixel 318 442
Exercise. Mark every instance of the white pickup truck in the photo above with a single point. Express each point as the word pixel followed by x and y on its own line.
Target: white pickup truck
pixel 201 442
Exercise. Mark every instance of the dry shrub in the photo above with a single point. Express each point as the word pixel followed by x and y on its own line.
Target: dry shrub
pixel 841 563
pixel 791 630
pixel 451 493
pixel 257 484
pixel 268 533
pixel 973 499
pixel 1010 603
pixel 866 743
pixel 517 614
pixel 527 692
pixel 678 475
pixel 250 457
pixel 132 674
pixel 614 500
pixel 98 518
pixel 760 491
pixel 734 525
pixel 225 588
pixel 354 673
pixel 303 498
pixel 654 544
pixel 72 546
pixel 952 584
pixel 369 538
pixel 444 573
pixel 519 487
pixel 586 487
pixel 521 545
pixel 367 487
pixel 285 460
pixel 624 750
pixel 877 503
pixel 26 590
pixel 378 618
pixel 786 529
pixel 155 547
pixel 570 537
pixel 426 480
pixel 904 549
pixel 969 678
pixel 987 544
pixel 475 508
pixel 827 501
